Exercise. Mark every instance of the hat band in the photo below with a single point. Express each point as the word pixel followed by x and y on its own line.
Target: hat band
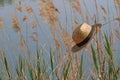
pixel 87 38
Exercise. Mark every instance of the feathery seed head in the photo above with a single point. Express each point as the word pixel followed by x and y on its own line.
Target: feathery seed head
pixel 28 8
pixel 18 7
pixel 15 23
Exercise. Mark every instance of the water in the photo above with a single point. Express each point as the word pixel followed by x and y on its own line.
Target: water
pixel 6 8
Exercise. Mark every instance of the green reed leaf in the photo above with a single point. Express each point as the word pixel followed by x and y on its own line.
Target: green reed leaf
pixel 38 64
pixel 107 47
pixel 81 67
pixel 66 69
pixel 30 73
pixel 51 60
pixel 6 66
pixel 94 58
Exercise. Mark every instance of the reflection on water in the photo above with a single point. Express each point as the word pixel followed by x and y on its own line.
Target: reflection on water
pixel 3 2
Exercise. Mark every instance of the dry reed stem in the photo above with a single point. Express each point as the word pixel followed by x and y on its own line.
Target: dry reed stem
pixel 103 11
pixel 21 50
pixel 89 50
pixel 75 67
pixel 69 75
pixel 97 13
pixel 1 23
pixel 86 10
pixel 11 45
pixel 112 38
pixel 15 23
pixel 94 19
pixel 67 39
pixel 99 49
pixel 28 8
pixel 74 24
pixel 118 34
pixel 1 54
pixel 58 73
pixel 99 55
pixel 93 74
pixel 76 6
pixel 22 41
pixel 87 18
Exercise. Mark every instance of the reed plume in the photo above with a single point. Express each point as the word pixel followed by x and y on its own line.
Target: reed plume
pixel 24 18
pixel 34 39
pixel 118 19
pixel 52 6
pixel 42 9
pixel 47 10
pixel 1 23
pixel 15 23
pixel 33 24
pixel 57 44
pixel 18 7
pixel 117 2
pixel 76 6
pixel 28 8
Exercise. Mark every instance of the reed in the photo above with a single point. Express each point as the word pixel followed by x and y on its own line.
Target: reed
pixel 28 8
pixel 15 22
pixel 103 11
pixel 7 68
pixel 24 18
pixel 47 9
pixel 18 7
pixel 118 34
pixel 76 6
pixel 1 23
pixel 46 62
pixel 117 2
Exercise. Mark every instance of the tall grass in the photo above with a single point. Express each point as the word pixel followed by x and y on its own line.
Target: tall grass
pixel 52 58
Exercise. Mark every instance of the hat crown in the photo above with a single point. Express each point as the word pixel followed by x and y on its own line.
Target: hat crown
pixel 81 32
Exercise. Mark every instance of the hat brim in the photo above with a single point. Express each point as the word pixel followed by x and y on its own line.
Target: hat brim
pixel 81 45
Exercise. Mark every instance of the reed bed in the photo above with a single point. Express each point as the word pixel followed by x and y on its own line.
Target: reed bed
pixel 50 57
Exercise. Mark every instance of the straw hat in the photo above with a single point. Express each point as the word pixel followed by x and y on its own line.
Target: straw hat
pixel 83 34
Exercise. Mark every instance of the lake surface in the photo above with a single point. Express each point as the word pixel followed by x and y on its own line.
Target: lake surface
pixel 9 39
